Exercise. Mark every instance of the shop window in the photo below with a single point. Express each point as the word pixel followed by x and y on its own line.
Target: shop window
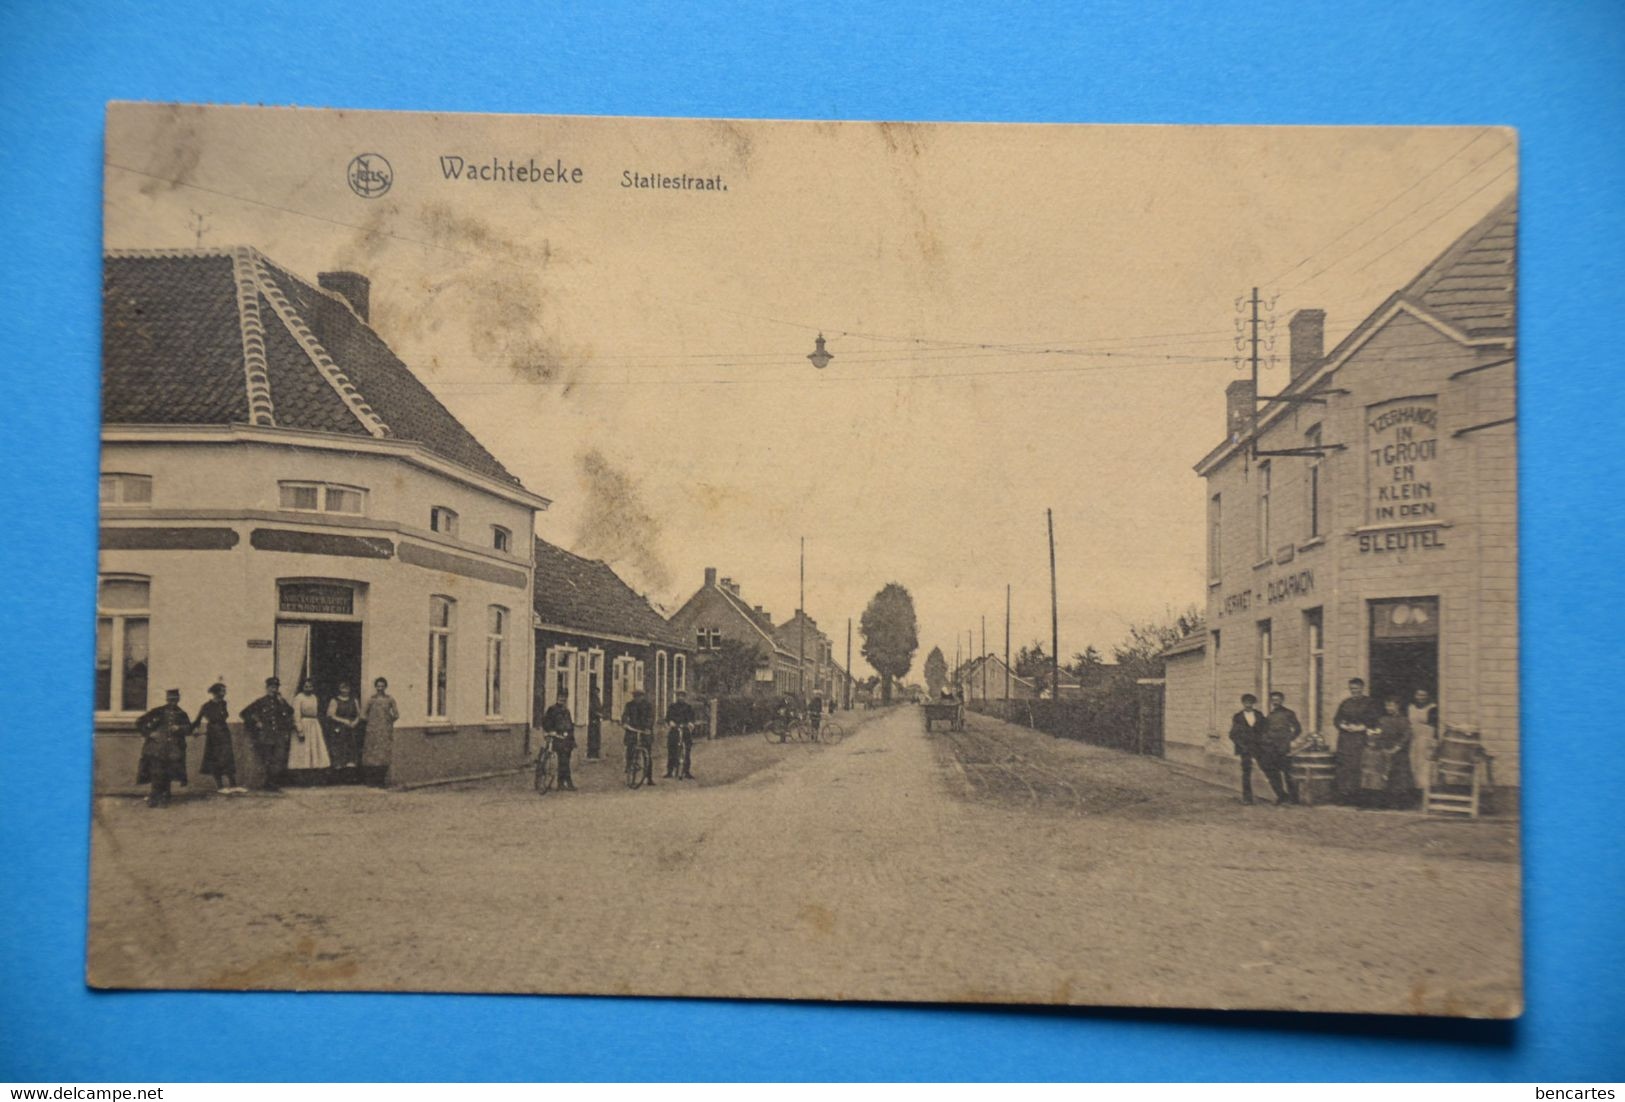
pixel 322 497
pixel 123 628
pixel 442 622
pixel 1266 660
pixel 443 520
pixel 501 538
pixel 1312 481
pixel 496 631
pixel 1264 477
pixel 126 489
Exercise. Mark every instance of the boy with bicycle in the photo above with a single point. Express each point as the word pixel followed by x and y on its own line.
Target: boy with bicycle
pixel 639 720
pixel 559 728
pixel 679 737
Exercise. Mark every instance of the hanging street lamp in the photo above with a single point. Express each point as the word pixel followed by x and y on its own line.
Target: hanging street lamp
pixel 820 358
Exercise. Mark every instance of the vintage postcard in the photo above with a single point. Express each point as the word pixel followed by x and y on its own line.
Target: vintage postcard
pixel 809 560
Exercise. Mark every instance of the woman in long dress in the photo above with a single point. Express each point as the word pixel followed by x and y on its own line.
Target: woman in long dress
pixel 344 727
pixel 219 761
pixel 1385 767
pixel 309 748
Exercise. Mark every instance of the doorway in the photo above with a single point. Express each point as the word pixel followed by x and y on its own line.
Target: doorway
pixel 1404 648
pixel 328 653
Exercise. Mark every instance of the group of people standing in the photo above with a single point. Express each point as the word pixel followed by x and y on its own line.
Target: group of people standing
pixel 638 721
pixel 296 736
pixel 1381 747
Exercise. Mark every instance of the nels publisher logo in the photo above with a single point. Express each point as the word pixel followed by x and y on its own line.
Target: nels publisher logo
pixel 370 175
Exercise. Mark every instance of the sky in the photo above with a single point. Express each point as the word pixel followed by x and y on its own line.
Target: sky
pixel 1021 319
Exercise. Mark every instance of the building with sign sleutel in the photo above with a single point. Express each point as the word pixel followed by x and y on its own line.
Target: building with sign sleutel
pixel 281 495
pixel 1373 531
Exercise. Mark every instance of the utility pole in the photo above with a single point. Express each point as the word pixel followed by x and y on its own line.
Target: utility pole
pixel 848 691
pixel 982 657
pixel 801 628
pixel 1054 615
pixel 1007 645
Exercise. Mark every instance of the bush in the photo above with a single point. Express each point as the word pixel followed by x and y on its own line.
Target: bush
pixel 742 715
pixel 1108 716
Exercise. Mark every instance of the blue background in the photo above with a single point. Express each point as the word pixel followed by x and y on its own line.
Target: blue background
pixel 1555 71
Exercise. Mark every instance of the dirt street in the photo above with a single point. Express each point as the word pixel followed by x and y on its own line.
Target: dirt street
pixel 997 865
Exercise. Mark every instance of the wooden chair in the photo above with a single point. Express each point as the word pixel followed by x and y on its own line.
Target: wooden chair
pixel 1457 776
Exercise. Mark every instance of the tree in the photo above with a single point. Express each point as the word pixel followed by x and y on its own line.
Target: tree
pixel 1032 661
pixel 936 672
pixel 1137 656
pixel 1088 666
pixel 890 635
pixel 727 671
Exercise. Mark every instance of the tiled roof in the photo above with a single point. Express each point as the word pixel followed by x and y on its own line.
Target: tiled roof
pixel 1474 284
pixel 587 596
pixel 223 336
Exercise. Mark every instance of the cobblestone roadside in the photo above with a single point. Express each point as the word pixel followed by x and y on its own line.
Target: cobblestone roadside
pixel 861 871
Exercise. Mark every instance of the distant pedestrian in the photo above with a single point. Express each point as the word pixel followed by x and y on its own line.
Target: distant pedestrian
pixel 1281 730
pixel 1247 736
pixel 680 737
pixel 1355 720
pixel 309 747
pixel 219 761
pixel 163 748
pixel 270 724
pixel 378 733
pixel 595 725
pixel 344 727
pixel 559 728
pixel 638 718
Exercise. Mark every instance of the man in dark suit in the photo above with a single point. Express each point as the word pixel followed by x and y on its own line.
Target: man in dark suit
pixel 1247 735
pixel 1281 730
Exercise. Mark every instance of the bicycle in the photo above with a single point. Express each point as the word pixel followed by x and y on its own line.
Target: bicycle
pixel 831 731
pixel 547 765
pixel 781 731
pixel 639 761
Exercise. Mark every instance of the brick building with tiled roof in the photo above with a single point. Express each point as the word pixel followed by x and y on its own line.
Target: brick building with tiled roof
pixel 717 611
pixel 596 634
pixel 1364 523
pixel 282 495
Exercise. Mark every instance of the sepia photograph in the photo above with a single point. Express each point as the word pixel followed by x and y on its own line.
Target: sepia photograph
pixel 861 561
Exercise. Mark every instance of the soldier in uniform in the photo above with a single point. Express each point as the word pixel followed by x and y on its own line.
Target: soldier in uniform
pixel 1281 730
pixel 679 737
pixel 163 748
pixel 269 723
pixel 638 717
pixel 560 726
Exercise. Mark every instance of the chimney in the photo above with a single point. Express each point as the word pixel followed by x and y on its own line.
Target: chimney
pixel 710 576
pixel 353 287
pixel 1239 407
pixel 1308 331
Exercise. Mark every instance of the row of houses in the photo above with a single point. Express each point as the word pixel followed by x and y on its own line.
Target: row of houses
pixel 281 496
pixel 1364 522
pixel 988 677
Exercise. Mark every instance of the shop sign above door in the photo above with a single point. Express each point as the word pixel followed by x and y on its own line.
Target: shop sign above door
pixel 320 598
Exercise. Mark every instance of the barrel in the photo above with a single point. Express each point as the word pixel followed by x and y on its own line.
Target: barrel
pixel 1458 756
pixel 1314 771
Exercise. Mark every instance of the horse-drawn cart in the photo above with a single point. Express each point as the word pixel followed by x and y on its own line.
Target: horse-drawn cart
pixel 951 712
